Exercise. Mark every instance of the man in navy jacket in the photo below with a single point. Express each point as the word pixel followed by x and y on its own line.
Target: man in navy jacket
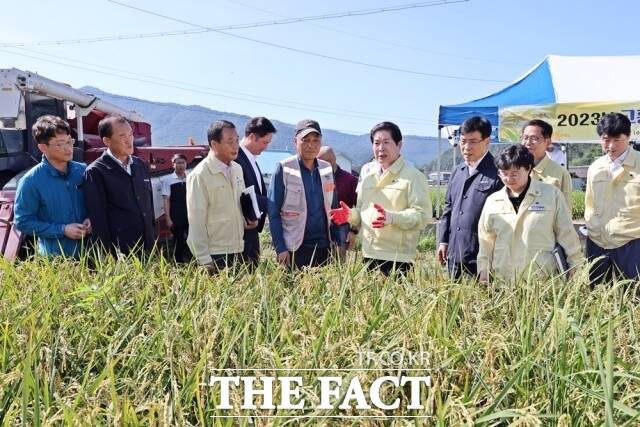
pixel 118 192
pixel 258 134
pixel 469 186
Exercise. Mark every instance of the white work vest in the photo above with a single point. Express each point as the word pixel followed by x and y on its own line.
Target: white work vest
pixel 294 207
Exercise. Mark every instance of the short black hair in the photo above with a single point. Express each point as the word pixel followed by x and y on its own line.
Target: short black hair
pixel 392 128
pixel 476 123
pixel 178 157
pixel 514 156
pixel 545 128
pixel 614 124
pixel 260 126
pixel 215 130
pixel 105 127
pixel 47 127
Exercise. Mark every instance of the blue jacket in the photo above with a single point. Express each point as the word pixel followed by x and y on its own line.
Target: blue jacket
pixel 46 201
pixel 462 208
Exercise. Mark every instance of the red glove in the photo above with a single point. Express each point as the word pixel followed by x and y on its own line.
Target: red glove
pixel 340 215
pixel 381 220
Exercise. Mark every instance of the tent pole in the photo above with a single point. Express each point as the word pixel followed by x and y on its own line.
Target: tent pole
pixel 455 160
pixel 439 168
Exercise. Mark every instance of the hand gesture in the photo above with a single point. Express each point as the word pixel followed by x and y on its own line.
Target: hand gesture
pixel 87 226
pixel 75 231
pixel 284 258
pixel 441 253
pixel 340 215
pixel 382 218
pixel 250 225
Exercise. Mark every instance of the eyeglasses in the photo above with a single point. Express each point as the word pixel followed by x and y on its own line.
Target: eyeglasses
pixel 63 144
pixel 513 173
pixel 470 142
pixel 532 138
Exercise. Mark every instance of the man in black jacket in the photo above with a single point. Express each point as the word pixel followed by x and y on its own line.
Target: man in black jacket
pixel 258 134
pixel 174 195
pixel 118 192
pixel 469 186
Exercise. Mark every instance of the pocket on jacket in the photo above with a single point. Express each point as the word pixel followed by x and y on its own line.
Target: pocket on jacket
pixel 292 197
pixel 543 259
pixel 218 226
pixel 397 195
pixel 632 192
pixel 484 187
pixel 538 222
pixel 388 239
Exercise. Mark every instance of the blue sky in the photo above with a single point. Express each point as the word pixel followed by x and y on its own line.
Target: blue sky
pixel 480 39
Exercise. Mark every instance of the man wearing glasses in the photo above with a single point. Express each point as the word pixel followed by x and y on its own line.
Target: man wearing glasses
pixel 49 199
pixel 300 197
pixel 469 186
pixel 536 136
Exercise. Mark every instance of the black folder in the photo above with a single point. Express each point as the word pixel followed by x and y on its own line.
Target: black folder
pixel 561 258
pixel 249 204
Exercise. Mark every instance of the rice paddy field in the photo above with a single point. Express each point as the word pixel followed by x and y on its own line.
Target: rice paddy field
pixel 135 343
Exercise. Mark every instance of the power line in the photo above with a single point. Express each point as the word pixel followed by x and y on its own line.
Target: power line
pixel 210 91
pixel 381 41
pixel 309 53
pixel 286 21
pixel 201 111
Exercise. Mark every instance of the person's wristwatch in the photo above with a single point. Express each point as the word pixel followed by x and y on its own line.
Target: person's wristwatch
pixel 354 230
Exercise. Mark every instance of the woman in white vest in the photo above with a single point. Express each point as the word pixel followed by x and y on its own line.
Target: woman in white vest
pixel 521 224
pixel 393 205
pixel 300 197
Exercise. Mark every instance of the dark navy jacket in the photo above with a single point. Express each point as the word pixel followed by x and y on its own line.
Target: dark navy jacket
pixel 249 180
pixel 120 205
pixel 462 208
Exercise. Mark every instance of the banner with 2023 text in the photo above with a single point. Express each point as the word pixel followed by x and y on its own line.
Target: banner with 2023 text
pixel 571 122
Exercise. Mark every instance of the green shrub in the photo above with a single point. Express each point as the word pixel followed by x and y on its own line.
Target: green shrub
pixel 437 196
pixel 577 204
pixel 427 243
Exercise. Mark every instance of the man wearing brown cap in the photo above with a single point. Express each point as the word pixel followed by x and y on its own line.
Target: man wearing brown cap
pixel 300 197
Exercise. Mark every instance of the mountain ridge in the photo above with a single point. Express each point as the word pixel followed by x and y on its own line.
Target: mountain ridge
pixel 174 124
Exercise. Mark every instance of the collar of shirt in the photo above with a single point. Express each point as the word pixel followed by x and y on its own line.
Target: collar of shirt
pixel 516 201
pixel 253 159
pixel 393 168
pixel 472 166
pixel 224 168
pixel 126 166
pixel 542 164
pixel 174 175
pixel 302 165
pixel 53 171
pixel 616 164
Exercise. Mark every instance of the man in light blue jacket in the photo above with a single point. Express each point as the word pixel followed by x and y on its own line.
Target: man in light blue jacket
pixel 49 199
